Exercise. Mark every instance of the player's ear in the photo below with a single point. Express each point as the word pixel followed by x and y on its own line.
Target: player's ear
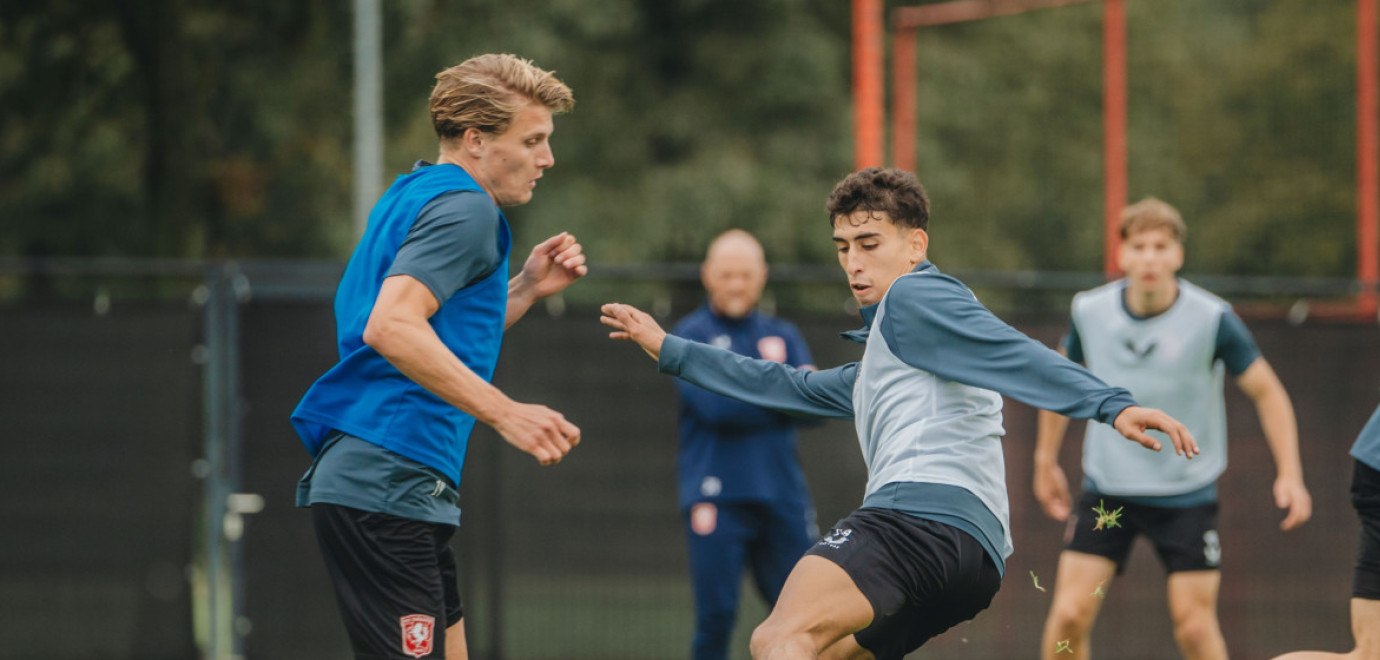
pixel 473 141
pixel 919 242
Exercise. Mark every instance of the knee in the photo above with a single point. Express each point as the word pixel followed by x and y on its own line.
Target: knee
pixel 1071 617
pixel 766 638
pixel 1195 632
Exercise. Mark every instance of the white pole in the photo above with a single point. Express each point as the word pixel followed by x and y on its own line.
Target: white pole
pixel 368 163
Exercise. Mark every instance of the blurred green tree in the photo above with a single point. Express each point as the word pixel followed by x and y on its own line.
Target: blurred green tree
pixel 193 128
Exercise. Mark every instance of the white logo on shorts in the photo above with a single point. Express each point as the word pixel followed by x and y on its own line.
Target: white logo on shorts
pixel 711 486
pixel 1212 548
pixel 836 537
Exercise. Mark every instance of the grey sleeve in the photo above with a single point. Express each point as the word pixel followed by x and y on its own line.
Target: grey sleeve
pixel 827 393
pixel 934 323
pixel 452 244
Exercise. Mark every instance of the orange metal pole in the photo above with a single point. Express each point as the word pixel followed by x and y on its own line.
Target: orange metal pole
pixel 903 99
pixel 1367 159
pixel 867 84
pixel 1113 128
pixel 960 11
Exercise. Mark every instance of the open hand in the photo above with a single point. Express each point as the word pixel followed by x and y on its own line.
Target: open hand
pixel 632 324
pixel 1133 421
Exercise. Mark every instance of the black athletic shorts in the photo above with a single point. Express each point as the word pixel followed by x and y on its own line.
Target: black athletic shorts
pixel 1185 539
pixel 1365 498
pixel 921 577
pixel 394 581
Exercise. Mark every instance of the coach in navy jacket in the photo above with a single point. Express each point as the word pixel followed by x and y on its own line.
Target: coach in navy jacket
pixel 742 493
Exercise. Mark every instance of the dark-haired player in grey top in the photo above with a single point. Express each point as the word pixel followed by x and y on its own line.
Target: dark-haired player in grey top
pixel 927 548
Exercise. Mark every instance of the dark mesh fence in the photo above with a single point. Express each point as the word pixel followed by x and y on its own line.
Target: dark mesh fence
pixel 100 418
pixel 99 509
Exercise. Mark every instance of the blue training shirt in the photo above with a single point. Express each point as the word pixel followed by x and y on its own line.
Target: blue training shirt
pixel 730 450
pixel 363 395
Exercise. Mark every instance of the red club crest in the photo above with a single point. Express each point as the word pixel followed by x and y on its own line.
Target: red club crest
pixel 772 348
pixel 418 631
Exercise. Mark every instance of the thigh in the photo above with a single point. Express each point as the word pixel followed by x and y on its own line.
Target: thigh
pixel 1111 542
pixel 1185 539
pixel 388 578
pixel 819 601
pixel 1193 595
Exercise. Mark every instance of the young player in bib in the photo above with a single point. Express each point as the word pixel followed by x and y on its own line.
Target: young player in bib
pixel 1171 344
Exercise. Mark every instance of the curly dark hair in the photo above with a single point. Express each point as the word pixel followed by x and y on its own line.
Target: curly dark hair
pixel 896 192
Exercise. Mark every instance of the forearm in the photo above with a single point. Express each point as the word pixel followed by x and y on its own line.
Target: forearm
pixel 760 382
pixel 520 299
pixel 1049 437
pixel 1276 413
pixel 414 349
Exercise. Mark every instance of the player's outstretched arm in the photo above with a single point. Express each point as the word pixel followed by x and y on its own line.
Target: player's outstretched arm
pixel 1276 414
pixel 553 265
pixel 399 331
pixel 632 324
pixel 1134 421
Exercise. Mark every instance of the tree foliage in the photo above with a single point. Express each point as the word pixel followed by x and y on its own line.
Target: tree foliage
pixel 193 128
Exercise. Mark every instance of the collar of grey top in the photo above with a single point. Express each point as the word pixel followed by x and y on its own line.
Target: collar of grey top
pixel 869 312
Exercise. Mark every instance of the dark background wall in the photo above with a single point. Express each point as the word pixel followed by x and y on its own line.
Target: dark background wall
pixel 99 504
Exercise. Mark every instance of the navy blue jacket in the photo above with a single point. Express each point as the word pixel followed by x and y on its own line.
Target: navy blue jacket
pixel 734 451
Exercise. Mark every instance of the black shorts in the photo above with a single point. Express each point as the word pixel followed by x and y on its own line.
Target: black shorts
pixel 1365 498
pixel 394 581
pixel 921 577
pixel 1185 539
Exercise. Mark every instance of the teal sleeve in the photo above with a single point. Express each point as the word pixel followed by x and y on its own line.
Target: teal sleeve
pixel 934 323
pixel 1073 344
pixel 764 383
pixel 453 243
pixel 1235 346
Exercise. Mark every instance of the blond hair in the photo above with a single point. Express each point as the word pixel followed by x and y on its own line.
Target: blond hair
pixel 1149 214
pixel 487 91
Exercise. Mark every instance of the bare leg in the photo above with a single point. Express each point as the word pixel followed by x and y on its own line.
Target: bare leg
pixel 456 648
pixel 846 649
pixel 818 607
pixel 1365 626
pixel 1075 605
pixel 1193 608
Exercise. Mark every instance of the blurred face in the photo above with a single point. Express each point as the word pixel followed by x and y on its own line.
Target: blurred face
pixel 874 251
pixel 734 275
pixel 1150 259
pixel 508 165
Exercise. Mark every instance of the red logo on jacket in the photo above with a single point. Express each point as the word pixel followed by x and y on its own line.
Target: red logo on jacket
pixel 418 630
